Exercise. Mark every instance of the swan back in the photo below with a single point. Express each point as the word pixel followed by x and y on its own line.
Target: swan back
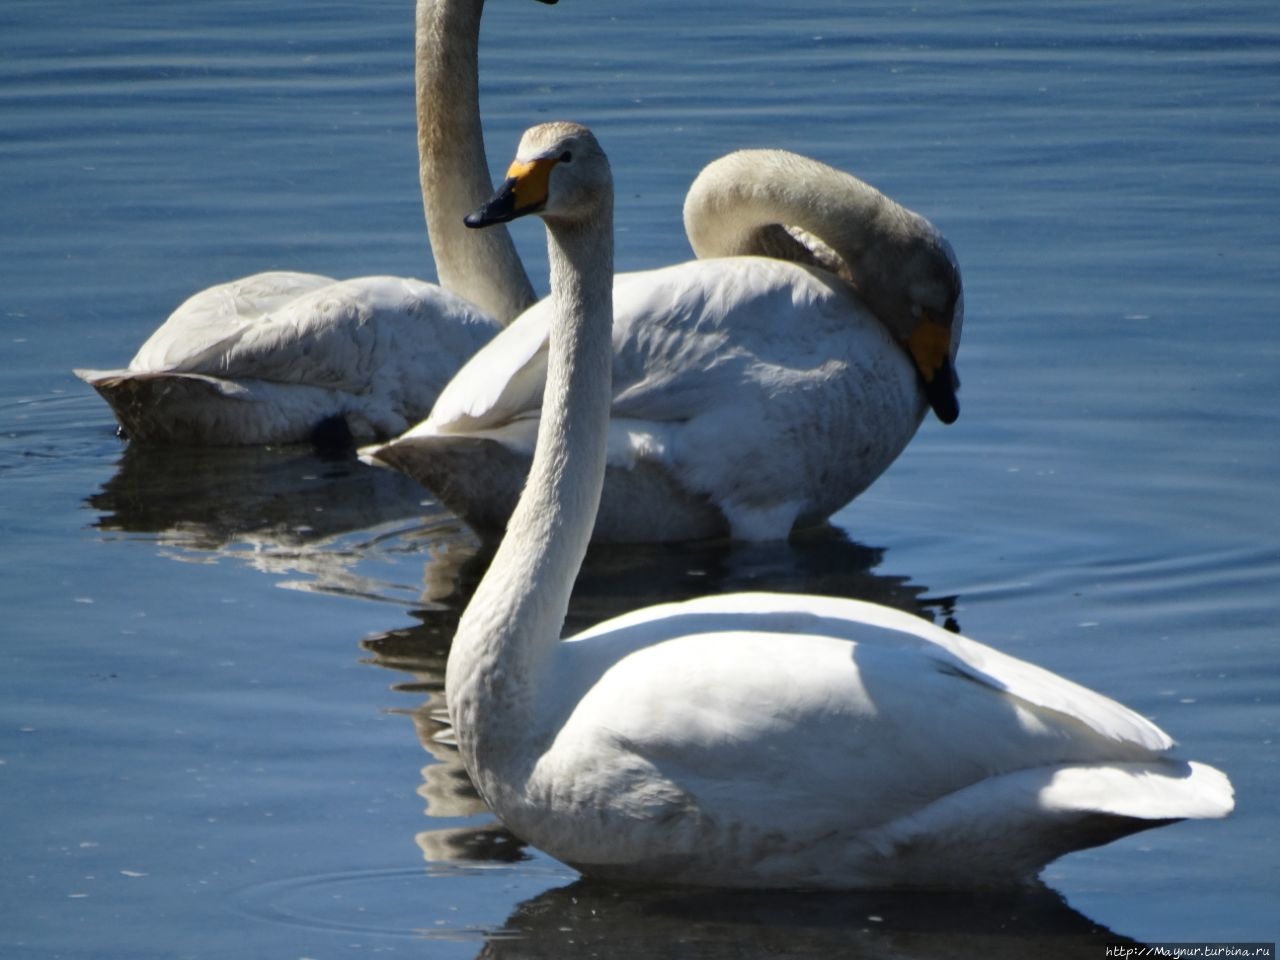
pixel 275 357
pixel 199 331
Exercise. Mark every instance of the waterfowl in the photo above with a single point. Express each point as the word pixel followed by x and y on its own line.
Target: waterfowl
pixel 282 357
pixel 756 740
pixel 751 395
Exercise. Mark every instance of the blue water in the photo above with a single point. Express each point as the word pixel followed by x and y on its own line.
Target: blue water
pixel 219 674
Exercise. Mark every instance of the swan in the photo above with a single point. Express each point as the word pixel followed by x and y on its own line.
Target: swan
pixel 752 395
pixel 283 357
pixel 756 740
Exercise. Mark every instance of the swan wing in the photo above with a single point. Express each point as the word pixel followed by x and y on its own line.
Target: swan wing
pixel 502 382
pixel 198 333
pixel 338 335
pixel 271 357
pixel 687 337
pixel 873 627
pixel 845 726
pixel 883 749
pixel 684 337
pixel 760 388
pixel 845 702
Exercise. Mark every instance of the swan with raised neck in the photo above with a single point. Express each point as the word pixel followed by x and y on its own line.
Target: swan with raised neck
pixel 482 267
pixel 756 740
pixel 512 623
pixel 284 357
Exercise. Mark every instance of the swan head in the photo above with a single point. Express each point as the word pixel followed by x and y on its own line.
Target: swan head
pixel 559 172
pixel 935 308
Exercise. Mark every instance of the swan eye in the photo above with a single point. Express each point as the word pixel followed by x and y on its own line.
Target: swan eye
pixel 566 157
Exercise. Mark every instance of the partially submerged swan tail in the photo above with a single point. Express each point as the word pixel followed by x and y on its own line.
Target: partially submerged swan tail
pixel 199 410
pixel 1008 828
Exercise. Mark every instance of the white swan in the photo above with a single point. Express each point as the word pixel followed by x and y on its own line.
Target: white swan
pixel 756 740
pixel 283 357
pixel 751 395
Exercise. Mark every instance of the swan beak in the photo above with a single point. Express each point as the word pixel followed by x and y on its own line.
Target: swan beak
pixel 930 348
pixel 522 193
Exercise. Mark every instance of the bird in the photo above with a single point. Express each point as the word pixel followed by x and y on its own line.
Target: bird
pixel 284 357
pixel 757 389
pixel 756 740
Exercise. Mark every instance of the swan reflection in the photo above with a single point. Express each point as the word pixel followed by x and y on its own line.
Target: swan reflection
pixel 330 523
pixel 588 919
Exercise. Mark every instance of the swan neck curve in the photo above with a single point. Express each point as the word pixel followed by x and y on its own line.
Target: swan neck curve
pixel 893 256
pixel 481 266
pixel 510 630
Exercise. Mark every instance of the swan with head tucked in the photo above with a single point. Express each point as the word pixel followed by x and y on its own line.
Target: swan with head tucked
pixel 752 395
pixel 756 740
pixel 281 357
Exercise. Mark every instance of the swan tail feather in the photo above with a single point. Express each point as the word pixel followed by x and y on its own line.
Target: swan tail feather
pixel 193 408
pixel 477 478
pixel 1007 829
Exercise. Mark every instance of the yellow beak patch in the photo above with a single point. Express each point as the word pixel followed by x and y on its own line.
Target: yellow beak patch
pixel 530 181
pixel 930 346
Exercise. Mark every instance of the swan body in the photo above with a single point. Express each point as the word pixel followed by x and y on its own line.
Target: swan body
pixel 752 395
pixel 757 740
pixel 275 357
pixel 283 357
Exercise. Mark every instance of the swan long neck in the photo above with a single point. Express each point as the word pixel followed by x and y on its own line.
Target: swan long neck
pixel 737 203
pixel 480 266
pixel 510 629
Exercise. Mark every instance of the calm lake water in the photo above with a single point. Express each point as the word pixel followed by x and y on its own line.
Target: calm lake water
pixel 220 680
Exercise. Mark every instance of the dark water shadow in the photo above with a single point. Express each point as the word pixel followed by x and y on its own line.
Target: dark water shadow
pixel 616 578
pixel 286 511
pixel 824 561
pixel 589 919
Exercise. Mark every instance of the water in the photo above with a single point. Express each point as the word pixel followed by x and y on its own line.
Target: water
pixel 198 763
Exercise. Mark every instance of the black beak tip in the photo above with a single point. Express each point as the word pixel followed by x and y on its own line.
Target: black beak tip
pixel 946 409
pixel 499 208
pixel 941 393
pixel 489 215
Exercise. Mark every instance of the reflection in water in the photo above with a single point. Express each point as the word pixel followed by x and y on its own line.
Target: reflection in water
pixel 288 511
pixel 422 650
pixel 588 919
pixel 292 510
pixel 614 579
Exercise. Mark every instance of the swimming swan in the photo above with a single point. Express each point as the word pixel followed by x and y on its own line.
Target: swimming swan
pixel 751 395
pixel 278 357
pixel 756 740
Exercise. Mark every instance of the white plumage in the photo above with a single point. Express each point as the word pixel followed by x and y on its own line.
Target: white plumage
pixel 757 740
pixel 272 357
pixel 780 740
